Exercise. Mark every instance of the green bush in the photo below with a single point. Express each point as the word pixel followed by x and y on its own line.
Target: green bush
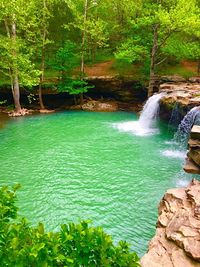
pixel 74 245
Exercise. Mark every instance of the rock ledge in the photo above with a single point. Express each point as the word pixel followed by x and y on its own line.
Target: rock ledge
pixel 177 239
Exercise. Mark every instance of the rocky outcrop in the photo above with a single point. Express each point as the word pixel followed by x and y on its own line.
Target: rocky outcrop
pixel 184 94
pixel 177 239
pixel 123 89
pixel 192 164
pixel 46 111
pixel 181 95
pixel 100 106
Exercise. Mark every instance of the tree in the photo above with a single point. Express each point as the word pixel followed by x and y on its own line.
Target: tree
pixel 43 11
pixel 66 60
pixel 92 30
pixel 15 53
pixel 153 27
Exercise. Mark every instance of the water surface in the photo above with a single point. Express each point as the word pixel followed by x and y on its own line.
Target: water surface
pixel 79 165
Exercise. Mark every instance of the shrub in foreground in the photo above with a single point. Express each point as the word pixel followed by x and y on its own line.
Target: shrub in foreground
pixel 74 245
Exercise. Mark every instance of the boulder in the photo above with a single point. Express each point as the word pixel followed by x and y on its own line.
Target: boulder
pixel 194 154
pixel 177 239
pixel 185 95
pixel 22 112
pixel 194 79
pixel 100 106
pixel 190 166
pixel 194 143
pixel 46 111
pixel 172 79
pixel 195 132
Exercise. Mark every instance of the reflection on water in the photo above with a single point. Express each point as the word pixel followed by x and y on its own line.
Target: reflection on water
pixel 3 119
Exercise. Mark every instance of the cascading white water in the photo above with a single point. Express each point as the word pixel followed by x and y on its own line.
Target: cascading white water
pixel 180 140
pixel 150 111
pixel 184 128
pixel 146 123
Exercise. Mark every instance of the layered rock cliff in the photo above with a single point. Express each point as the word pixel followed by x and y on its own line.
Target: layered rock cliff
pixel 177 239
pixel 180 94
pixel 192 164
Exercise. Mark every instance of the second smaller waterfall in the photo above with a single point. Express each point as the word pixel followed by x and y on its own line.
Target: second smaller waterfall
pixel 184 128
pixel 180 140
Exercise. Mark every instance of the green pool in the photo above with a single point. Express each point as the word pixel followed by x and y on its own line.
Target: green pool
pixel 79 165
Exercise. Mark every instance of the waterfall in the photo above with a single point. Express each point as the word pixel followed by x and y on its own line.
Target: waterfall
pixel 184 128
pixel 146 123
pixel 150 111
pixel 180 140
pixel 175 116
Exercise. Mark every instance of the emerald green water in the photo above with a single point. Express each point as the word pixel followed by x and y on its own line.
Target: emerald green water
pixel 79 165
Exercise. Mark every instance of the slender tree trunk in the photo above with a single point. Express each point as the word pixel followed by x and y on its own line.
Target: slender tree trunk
pixel 43 58
pixel 41 80
pixel 198 67
pixel 94 47
pixel 13 72
pixel 75 101
pixel 16 91
pixel 153 61
pixel 83 46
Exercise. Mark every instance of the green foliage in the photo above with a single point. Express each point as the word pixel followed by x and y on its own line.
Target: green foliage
pixel 66 59
pixel 73 86
pixel 3 102
pixel 132 51
pixel 177 27
pixel 74 245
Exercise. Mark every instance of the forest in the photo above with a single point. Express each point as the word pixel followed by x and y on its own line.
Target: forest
pixel 50 42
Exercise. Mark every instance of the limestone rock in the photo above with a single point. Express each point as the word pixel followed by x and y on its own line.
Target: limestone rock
pixel 100 106
pixel 177 239
pixel 194 143
pixel 123 89
pixel 194 154
pixel 195 132
pixel 184 94
pixel 172 78
pixel 194 79
pixel 191 167
pixel 22 112
pixel 46 111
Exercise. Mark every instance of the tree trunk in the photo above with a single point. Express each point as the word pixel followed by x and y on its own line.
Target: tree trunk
pixel 198 68
pixel 75 101
pixel 81 98
pixel 16 94
pixel 83 38
pixel 43 57
pixel 41 80
pixel 153 61
pixel 83 46
pixel 16 91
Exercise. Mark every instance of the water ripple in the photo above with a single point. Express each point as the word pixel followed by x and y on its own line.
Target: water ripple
pixel 75 165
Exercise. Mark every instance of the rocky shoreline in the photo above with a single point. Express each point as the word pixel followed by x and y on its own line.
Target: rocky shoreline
pixel 177 239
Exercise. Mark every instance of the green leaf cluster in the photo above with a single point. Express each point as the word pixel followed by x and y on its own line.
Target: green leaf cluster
pixel 74 245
